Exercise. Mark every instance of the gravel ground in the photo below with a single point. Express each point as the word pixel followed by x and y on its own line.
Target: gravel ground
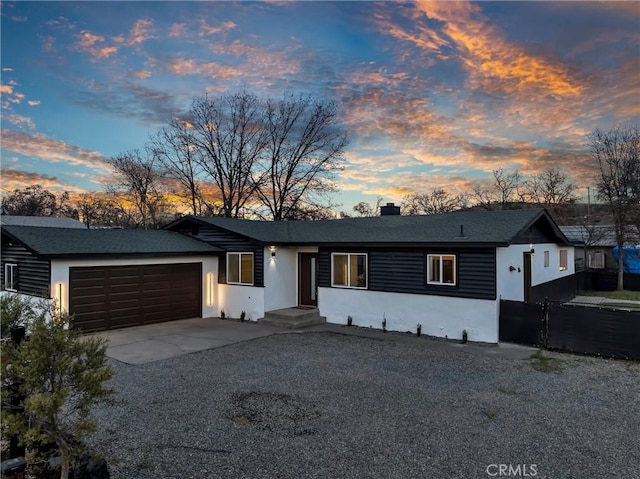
pixel 329 405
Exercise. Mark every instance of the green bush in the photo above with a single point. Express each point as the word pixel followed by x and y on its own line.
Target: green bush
pixel 61 375
pixel 16 310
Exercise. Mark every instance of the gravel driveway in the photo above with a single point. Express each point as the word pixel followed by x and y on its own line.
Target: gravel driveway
pixel 329 405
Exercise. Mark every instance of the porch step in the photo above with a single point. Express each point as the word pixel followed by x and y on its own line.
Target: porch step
pixel 293 318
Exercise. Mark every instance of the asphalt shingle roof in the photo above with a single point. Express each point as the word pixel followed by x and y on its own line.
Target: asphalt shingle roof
pixel 76 242
pixel 597 235
pixel 459 227
pixel 48 221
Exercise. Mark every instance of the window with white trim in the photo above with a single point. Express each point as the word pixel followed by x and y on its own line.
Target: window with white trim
pixel 441 269
pixel 349 270
pixel 240 268
pixel 563 260
pixel 546 259
pixel 11 277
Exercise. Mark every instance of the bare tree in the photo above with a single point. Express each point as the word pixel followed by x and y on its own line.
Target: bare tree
pixel 174 147
pixel 366 209
pixel 550 187
pixel 311 212
pixel 228 136
pixel 103 210
pixel 616 154
pixel 136 176
pixel 304 148
pixel 436 202
pixel 504 191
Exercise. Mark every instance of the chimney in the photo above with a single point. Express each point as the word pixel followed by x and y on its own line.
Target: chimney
pixel 389 210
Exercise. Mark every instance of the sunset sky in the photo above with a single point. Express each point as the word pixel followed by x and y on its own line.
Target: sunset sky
pixel 433 94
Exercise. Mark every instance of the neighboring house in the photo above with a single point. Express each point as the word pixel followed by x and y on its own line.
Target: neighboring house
pixel 45 221
pixel 446 273
pixel 111 278
pixel 594 245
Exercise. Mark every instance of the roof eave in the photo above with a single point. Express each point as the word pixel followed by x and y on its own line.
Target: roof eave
pixel 401 244
pixel 13 237
pixel 201 222
pixel 84 256
pixel 556 229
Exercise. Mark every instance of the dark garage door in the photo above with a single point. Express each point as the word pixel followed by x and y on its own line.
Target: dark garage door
pixel 119 296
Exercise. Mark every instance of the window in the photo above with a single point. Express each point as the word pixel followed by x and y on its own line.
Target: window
pixel 546 259
pixel 441 269
pixel 11 277
pixel 596 260
pixel 563 259
pixel 240 268
pixel 349 270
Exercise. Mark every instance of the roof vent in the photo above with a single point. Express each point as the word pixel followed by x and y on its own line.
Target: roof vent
pixel 389 210
pixel 461 235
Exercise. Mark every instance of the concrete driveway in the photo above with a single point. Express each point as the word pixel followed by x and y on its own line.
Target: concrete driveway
pixel 152 342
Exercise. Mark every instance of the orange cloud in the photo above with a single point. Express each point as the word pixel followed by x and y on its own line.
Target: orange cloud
pixel 39 146
pixel 495 63
pixel 212 69
pixel 91 43
pixel 178 30
pixel 142 30
pixel 33 102
pixel 88 39
pixel 16 179
pixel 20 120
pixel 259 61
pixel 206 29
pixel 141 74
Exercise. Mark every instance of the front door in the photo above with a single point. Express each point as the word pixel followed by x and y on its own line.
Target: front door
pixel 308 279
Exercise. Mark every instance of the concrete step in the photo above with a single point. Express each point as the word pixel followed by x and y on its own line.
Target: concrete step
pixel 293 318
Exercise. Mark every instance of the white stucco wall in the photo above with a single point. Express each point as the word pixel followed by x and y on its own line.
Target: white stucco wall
pixel 440 316
pixel 60 277
pixel 235 298
pixel 281 276
pixel 510 284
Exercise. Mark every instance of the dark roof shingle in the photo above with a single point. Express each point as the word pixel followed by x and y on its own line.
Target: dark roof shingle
pixel 77 242
pixel 44 221
pixel 496 227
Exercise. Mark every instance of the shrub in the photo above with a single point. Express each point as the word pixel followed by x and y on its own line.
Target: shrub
pixel 15 310
pixel 61 376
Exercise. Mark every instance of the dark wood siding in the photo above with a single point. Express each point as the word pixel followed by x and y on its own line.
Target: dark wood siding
pixel 404 271
pixel 540 232
pixel 33 273
pixel 397 272
pixel 324 268
pixel 119 296
pixel 230 242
